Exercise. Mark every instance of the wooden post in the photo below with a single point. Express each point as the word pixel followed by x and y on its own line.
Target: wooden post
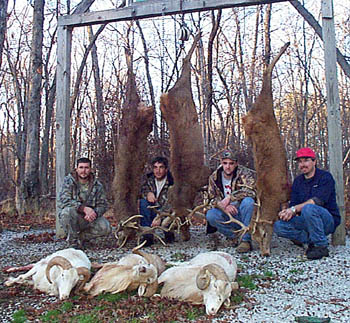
pixel 333 109
pixel 64 41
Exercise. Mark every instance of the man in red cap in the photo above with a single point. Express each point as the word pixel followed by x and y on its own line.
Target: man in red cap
pixel 313 213
pixel 231 190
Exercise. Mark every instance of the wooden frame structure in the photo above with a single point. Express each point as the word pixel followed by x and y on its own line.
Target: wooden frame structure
pixel 156 8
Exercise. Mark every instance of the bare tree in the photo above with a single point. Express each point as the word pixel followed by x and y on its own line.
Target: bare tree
pixel 318 29
pixel 30 187
pixel 3 23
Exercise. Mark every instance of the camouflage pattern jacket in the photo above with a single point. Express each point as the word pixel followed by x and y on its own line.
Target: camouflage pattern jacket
pixel 149 185
pixel 71 195
pixel 243 184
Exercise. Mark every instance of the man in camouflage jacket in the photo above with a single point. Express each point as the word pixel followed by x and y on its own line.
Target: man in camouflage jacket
pixel 231 188
pixel 81 204
pixel 154 192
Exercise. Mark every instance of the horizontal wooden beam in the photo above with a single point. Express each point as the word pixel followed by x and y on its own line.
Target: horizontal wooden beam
pixel 153 8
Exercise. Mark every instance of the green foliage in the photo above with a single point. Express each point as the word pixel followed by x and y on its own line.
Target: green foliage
pixel 237 297
pixel 112 297
pixel 194 313
pixel 85 318
pixel 296 271
pixel 51 316
pixel 134 320
pixel 178 256
pixel 246 281
pixel 19 316
pixel 67 306
pixel 268 274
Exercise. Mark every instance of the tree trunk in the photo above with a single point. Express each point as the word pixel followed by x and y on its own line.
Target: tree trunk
pixel 30 187
pixel 3 24
pixel 149 80
pixel 100 144
pixel 44 155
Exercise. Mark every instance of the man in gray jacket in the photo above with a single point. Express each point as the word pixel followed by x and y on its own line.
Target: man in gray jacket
pixel 81 204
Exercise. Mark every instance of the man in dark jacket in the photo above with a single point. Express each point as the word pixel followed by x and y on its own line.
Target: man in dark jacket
pixel 313 213
pixel 154 192
pixel 81 204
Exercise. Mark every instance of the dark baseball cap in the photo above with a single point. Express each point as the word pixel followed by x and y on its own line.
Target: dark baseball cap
pixel 228 154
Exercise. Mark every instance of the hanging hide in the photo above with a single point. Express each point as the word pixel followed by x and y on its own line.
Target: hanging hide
pixel 186 143
pixel 273 187
pixel 131 156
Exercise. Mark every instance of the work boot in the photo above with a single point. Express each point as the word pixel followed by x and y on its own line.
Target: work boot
pixel 169 237
pixel 185 232
pixel 75 244
pixel 210 229
pixel 148 238
pixel 73 241
pixel 310 246
pixel 297 243
pixel 244 247
pixel 317 252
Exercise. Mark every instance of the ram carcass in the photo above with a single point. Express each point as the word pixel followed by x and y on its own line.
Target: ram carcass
pixel 139 270
pixel 270 161
pixel 206 279
pixel 57 274
pixel 186 144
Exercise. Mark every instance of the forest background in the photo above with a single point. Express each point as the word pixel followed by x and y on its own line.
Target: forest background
pixel 227 65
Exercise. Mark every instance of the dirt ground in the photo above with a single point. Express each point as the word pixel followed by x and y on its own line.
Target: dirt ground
pixel 27 239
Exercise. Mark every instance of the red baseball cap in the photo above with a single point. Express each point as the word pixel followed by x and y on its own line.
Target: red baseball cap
pixel 305 152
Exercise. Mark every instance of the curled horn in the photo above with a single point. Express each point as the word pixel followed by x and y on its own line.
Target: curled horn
pixel 145 255
pixel 151 289
pixel 85 273
pixel 57 261
pixel 203 279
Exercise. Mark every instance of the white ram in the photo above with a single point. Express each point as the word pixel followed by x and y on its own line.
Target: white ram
pixel 139 271
pixel 58 273
pixel 206 279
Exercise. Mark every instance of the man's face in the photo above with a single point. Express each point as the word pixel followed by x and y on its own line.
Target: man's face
pixel 83 170
pixel 159 170
pixel 228 166
pixel 307 166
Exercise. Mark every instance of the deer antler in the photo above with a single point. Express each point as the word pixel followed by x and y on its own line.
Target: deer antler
pixel 195 211
pixel 147 230
pixel 241 231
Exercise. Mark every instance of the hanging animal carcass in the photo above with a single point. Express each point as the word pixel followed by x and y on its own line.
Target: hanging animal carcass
pixel 186 144
pixel 273 187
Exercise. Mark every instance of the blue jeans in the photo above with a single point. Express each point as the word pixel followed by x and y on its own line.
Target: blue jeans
pixel 245 211
pixel 312 226
pixel 148 214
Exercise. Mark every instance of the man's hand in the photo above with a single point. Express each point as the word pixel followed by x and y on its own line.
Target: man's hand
pixel 156 222
pixel 90 214
pixel 231 209
pixel 225 202
pixel 286 214
pixel 151 197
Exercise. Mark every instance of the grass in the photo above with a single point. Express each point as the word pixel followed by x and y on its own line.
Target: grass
pixel 178 256
pixel 19 316
pixel 247 281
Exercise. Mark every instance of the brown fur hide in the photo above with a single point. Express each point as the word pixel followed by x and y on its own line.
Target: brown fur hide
pixel 131 153
pixel 273 187
pixel 186 142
